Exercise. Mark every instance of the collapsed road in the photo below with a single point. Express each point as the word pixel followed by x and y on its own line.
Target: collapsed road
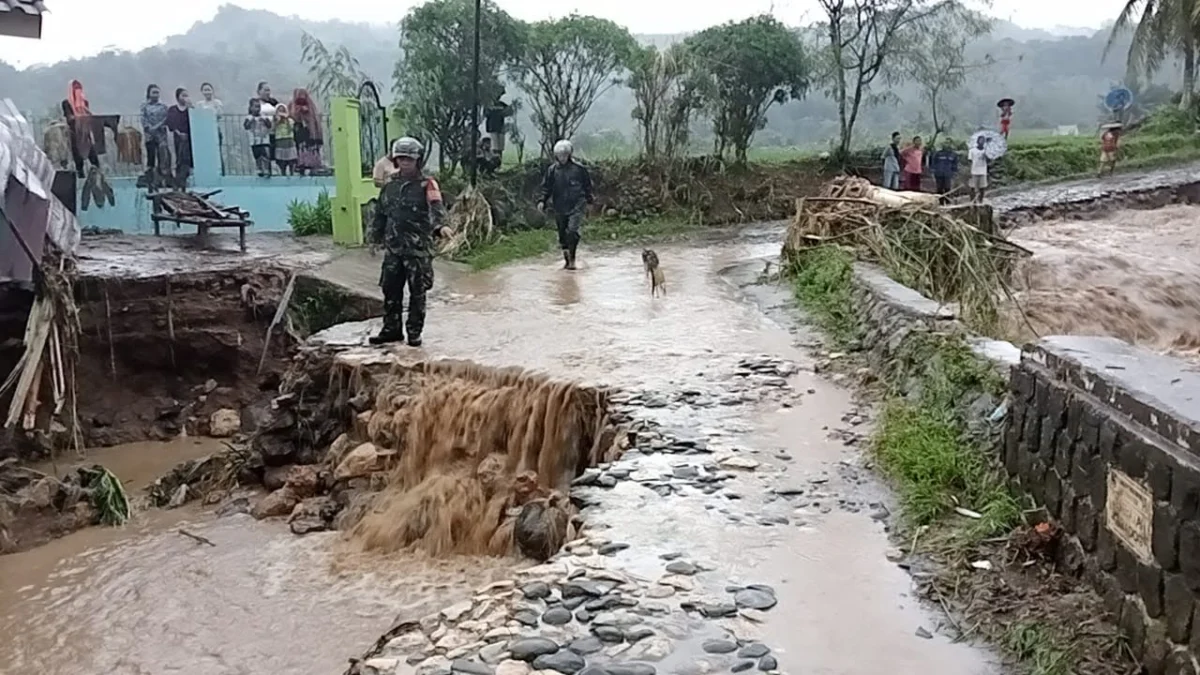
pixel 744 530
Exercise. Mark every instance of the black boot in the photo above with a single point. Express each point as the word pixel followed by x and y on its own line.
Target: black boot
pixel 386 337
pixel 414 340
pixel 566 259
pixel 571 257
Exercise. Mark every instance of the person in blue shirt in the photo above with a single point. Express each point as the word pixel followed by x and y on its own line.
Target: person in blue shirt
pixel 945 167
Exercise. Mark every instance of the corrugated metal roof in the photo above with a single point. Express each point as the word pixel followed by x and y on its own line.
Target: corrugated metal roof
pixel 28 6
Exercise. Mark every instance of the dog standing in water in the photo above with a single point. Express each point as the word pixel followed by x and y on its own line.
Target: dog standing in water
pixel 658 283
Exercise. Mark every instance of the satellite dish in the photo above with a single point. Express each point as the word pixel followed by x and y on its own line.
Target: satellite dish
pixel 1118 99
pixel 994 144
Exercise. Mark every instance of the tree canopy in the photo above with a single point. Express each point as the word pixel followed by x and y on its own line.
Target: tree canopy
pixel 741 70
pixel 565 66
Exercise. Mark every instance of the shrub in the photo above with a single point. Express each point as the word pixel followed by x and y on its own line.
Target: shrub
pixel 309 218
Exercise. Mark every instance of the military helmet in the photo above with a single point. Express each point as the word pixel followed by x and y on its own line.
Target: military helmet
pixel 407 146
pixel 563 147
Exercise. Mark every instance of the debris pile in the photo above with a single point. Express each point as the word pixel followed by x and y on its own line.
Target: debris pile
pixel 917 242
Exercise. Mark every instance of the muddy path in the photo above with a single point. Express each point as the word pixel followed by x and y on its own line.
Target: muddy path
pixel 797 511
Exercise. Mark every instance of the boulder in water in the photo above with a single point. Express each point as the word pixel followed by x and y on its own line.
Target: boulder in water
pixel 362 461
pixel 541 529
pixel 278 503
pixel 224 423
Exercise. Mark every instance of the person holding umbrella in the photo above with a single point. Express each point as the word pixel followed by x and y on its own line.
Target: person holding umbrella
pixel 1006 108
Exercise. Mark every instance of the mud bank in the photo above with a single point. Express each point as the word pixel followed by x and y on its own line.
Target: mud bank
pixel 440 457
pixel 164 356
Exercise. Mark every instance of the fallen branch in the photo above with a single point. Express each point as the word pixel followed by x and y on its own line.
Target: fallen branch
pixel 198 538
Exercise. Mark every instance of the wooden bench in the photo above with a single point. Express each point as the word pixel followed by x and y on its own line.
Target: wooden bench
pixel 182 207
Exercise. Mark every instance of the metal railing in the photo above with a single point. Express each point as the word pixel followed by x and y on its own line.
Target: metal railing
pixel 237 157
pixel 237 154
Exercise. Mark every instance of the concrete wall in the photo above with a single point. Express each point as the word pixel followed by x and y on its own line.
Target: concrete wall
pixel 1106 436
pixel 265 198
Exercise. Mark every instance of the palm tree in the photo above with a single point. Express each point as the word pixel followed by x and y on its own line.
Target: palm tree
pixel 1163 28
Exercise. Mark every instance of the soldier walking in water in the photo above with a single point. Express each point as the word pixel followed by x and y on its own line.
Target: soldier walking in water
pixel 407 219
pixel 568 188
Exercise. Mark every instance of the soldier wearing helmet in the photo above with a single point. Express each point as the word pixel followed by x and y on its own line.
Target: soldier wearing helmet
pixel 407 220
pixel 568 188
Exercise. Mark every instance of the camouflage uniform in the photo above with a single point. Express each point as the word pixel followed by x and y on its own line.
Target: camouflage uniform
pixel 406 219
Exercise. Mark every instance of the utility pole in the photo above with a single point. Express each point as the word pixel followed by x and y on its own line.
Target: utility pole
pixel 475 98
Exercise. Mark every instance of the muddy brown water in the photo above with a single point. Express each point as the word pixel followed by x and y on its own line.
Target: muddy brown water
pixel 144 599
pixel 1133 274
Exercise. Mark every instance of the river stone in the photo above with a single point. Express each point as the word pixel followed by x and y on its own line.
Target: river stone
pixel 609 633
pixel 565 661
pixel 742 666
pixel 583 616
pixel 717 610
pixel 493 653
pixel 224 423
pixel 434 665
pixel 588 644
pixel 557 616
pixel 754 598
pixel 651 649
pixel 528 649
pixel 512 667
pixel 593 670
pixel 456 611
pixel 630 669
pixel 635 634
pixel 536 590
pixel 681 567
pixel 526 617
pixel 604 602
pixel 659 591
pixel 719 646
pixel 610 549
pixel 753 651
pixel 767 662
pixel 470 667
pixel 583 588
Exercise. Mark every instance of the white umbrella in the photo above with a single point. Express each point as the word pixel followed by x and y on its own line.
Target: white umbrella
pixel 994 144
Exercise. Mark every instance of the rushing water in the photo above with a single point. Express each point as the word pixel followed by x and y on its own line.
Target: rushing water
pixel 1134 274
pixel 148 600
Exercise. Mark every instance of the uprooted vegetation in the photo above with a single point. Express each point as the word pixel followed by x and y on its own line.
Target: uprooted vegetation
pixel 991 562
pixel 437 457
pixel 917 242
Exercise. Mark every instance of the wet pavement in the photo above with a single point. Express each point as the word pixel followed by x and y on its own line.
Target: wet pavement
pixel 748 467
pixel 1089 189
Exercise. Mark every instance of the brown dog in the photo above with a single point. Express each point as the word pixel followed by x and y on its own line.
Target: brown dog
pixel 658 283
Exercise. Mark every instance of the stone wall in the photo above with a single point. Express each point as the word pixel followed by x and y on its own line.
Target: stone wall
pixel 1106 436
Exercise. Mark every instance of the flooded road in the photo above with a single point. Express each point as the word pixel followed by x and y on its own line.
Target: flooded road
pixel 147 600
pixel 1133 274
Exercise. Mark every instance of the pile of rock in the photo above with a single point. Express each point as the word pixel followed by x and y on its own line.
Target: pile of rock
pixel 578 615
pixel 36 507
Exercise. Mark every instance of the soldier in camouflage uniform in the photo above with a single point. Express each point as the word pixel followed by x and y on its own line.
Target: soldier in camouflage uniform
pixel 567 187
pixel 407 219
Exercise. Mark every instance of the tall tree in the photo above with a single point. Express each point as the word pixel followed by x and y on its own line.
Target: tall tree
pixel 665 100
pixel 860 37
pixel 742 69
pixel 1160 28
pixel 434 74
pixel 567 64
pixel 937 61
pixel 330 73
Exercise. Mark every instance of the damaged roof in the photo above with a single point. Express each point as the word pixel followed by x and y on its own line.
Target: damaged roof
pixel 21 18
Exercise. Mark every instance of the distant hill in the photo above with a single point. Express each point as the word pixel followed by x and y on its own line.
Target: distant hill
pixel 1056 80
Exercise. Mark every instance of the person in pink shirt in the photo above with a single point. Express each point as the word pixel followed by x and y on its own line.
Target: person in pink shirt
pixel 913 160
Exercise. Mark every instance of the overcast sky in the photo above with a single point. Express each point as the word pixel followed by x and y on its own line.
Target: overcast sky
pixel 77 28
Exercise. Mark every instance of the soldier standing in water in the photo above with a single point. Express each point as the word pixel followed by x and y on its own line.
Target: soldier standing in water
pixel 407 219
pixel 568 188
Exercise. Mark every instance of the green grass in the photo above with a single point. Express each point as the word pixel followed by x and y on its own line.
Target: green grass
pixel 522 244
pixel 1038 648
pixel 822 282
